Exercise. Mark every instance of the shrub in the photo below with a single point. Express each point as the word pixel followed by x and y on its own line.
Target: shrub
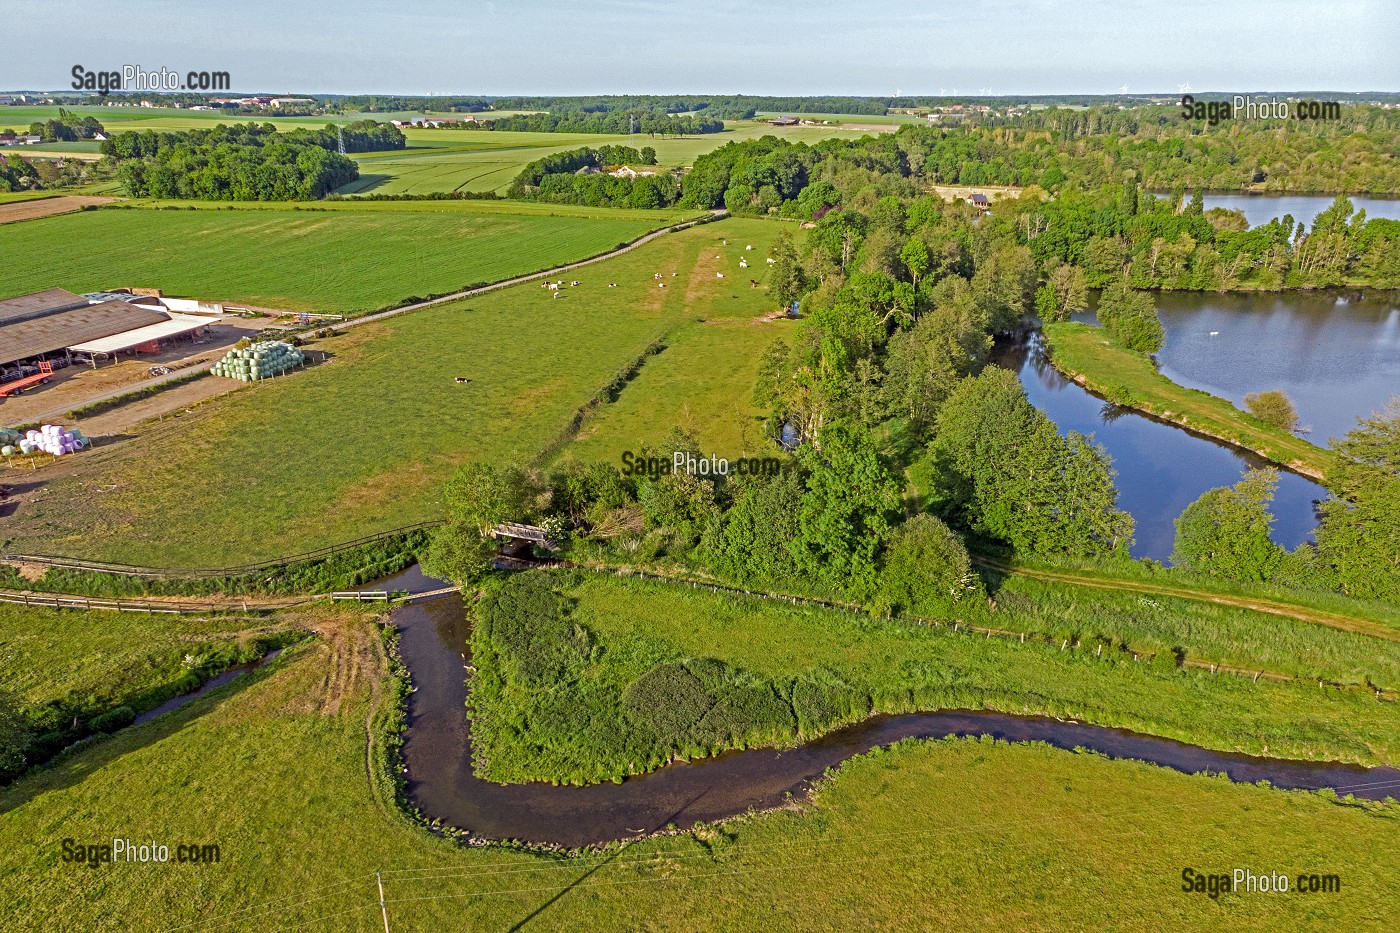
pixel 112 720
pixel 1274 408
pixel 926 568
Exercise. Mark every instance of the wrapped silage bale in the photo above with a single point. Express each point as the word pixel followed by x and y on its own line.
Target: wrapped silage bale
pixel 262 360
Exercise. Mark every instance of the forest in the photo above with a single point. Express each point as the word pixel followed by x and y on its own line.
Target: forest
pixel 912 454
pixel 243 162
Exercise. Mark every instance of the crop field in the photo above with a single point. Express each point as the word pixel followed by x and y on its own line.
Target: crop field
pixel 356 258
pixel 478 160
pixel 363 443
pixel 1019 832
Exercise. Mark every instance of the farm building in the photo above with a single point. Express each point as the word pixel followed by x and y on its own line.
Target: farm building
pixel 783 121
pixel 57 324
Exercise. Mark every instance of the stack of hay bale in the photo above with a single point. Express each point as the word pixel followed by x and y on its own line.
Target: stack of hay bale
pixel 261 360
pixel 49 439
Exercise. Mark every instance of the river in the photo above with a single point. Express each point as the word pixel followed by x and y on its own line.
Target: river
pixel 437 752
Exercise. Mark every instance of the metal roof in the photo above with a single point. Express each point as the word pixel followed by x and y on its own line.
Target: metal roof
pixel 34 334
pixel 37 304
pixel 178 324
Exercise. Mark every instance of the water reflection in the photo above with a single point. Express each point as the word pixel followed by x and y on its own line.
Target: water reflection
pixel 1161 468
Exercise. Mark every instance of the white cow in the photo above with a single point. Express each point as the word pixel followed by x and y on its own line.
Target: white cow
pixel 743 263
pixel 719 275
pixel 750 246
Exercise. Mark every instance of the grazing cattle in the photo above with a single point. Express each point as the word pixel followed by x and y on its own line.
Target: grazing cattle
pixel 750 246
pixel 743 263
pixel 612 285
pixel 657 276
pixel 719 275
pixel 573 283
pixel 461 379
pixel 725 242
pixel 552 287
pixel 771 260
pixel 660 284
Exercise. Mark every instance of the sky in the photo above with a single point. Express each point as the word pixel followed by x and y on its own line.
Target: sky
pixel 781 47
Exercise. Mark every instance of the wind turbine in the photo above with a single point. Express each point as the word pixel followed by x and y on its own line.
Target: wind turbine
pixel 1184 88
pixel 1123 89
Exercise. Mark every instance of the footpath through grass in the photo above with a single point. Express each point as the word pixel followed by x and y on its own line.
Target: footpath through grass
pixel 364 443
pixel 342 259
pixel 1023 836
pixel 1085 354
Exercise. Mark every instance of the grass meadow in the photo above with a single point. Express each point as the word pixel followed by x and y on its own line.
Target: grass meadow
pixel 364 442
pixel 50 656
pixel 900 667
pixel 343 260
pixel 947 834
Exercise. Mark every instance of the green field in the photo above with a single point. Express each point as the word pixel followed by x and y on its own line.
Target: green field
pixel 58 667
pixel 573 726
pixel 364 442
pixel 1129 378
pixel 344 259
pixel 437 159
pixel 479 160
pixel 953 834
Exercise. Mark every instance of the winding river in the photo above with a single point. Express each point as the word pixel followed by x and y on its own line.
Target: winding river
pixel 437 753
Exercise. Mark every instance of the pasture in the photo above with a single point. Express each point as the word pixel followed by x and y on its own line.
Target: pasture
pixel 363 443
pixel 1025 835
pixel 102 659
pixel 341 259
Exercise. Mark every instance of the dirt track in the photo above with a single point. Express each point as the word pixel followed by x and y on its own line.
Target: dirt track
pixel 47 207
pixel 1291 610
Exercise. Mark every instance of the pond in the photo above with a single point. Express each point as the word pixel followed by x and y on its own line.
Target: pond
pixel 1261 208
pixel 1335 353
pixel 437 751
pixel 1161 468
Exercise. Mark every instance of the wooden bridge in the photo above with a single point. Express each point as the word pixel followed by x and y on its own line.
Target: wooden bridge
pixel 532 533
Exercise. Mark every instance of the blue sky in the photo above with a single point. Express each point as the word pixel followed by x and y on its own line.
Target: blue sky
pixel 870 47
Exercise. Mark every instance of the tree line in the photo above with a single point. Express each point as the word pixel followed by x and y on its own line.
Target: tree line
pixel 580 176
pixel 66 127
pixel 1066 214
pixel 244 162
pixel 633 121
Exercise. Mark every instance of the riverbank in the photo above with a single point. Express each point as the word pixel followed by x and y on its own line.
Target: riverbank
pixel 1084 354
pixel 712 672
